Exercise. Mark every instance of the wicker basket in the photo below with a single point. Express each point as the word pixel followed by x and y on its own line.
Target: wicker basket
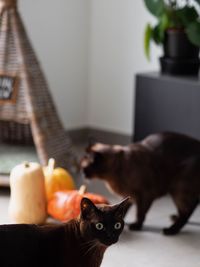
pixel 29 116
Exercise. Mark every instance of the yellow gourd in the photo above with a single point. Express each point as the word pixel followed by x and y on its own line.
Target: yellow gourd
pixel 56 179
pixel 27 198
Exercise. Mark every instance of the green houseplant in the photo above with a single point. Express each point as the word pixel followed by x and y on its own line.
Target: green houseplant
pixel 178 31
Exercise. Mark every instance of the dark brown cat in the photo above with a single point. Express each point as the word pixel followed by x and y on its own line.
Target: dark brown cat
pixel 78 243
pixel 163 163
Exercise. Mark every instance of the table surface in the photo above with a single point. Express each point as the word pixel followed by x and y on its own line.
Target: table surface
pixel 158 75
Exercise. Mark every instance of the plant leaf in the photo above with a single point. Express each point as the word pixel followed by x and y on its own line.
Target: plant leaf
pixel 187 15
pixel 156 7
pixel 158 34
pixel 163 25
pixel 147 40
pixel 193 33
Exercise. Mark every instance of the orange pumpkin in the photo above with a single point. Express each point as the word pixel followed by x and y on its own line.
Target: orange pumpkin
pixel 57 179
pixel 65 204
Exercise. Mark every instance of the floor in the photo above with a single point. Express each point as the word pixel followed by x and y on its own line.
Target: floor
pixel 148 247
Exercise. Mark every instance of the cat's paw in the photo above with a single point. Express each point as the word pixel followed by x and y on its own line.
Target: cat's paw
pixel 135 226
pixel 173 217
pixel 170 231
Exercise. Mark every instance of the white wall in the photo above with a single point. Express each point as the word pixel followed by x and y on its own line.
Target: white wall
pixel 116 54
pixel 99 39
pixel 59 33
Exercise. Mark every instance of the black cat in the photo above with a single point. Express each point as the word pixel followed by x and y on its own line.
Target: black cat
pixel 163 163
pixel 78 243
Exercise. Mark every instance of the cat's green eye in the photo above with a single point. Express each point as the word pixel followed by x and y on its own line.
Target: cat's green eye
pixel 118 225
pixel 99 226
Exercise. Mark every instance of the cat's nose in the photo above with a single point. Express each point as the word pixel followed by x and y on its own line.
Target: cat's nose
pixel 111 236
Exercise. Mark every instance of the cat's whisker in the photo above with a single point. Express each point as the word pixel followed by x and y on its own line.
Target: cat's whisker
pixel 94 247
pixel 85 245
pixel 91 245
pixel 88 244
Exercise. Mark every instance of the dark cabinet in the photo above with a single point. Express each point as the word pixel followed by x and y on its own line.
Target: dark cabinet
pixel 166 103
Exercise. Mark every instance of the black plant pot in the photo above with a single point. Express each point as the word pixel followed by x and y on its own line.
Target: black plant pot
pixel 179 67
pixel 181 57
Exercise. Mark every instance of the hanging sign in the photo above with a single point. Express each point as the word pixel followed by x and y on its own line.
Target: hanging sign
pixel 8 87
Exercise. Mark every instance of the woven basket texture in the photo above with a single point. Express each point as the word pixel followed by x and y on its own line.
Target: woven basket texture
pixel 33 117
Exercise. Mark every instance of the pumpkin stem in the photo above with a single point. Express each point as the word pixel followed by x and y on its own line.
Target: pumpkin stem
pixel 51 166
pixel 26 164
pixel 82 190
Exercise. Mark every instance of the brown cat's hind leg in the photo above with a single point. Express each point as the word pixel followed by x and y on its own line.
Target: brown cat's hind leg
pixel 185 209
pixel 174 217
pixel 143 206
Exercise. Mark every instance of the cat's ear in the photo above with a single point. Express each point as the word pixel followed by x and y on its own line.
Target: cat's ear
pixel 88 209
pixel 122 208
pixel 100 148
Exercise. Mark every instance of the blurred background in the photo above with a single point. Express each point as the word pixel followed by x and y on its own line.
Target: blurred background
pixel 90 51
